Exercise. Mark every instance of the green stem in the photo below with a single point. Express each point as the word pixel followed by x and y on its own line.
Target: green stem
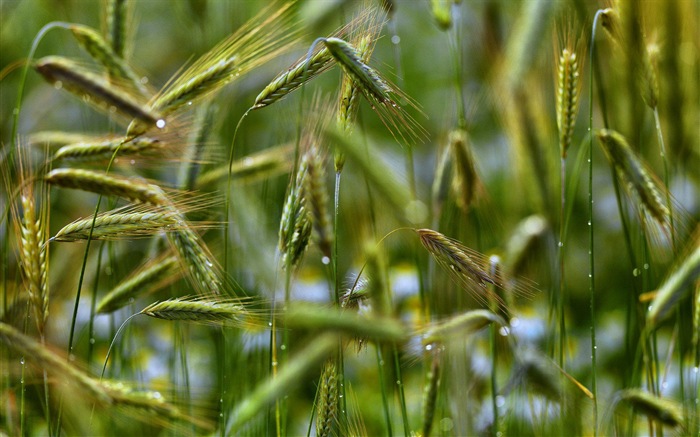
pixel 402 395
pixel 591 258
pixel 382 384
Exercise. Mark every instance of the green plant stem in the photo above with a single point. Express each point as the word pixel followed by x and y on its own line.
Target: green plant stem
pixel 382 384
pixel 591 258
pixel 402 395
pixel 336 280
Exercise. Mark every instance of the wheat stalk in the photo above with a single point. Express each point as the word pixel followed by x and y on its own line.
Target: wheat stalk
pixel 431 386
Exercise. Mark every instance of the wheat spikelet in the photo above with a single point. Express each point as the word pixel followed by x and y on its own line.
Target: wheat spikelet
pixel 675 287
pixel 43 358
pixel 33 258
pixel 526 243
pixel 56 139
pixel 100 50
pixel 201 310
pixel 105 149
pixel 95 90
pixel 114 225
pixel 321 318
pixel 143 401
pixel 204 272
pixel 458 326
pixel 464 265
pixel 636 178
pixel 665 411
pixel 442 181
pixel 431 387
pixel 568 89
pixel 317 198
pixel 351 61
pixel 101 183
pixel 117 16
pixel 442 13
pixel 262 38
pixel 383 97
pixel 265 164
pixel 146 279
pixel 327 404
pixel 304 70
pixel 296 222
pixel 465 180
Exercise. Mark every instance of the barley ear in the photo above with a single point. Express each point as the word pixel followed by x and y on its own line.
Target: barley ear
pixel 296 222
pixel 675 288
pixel 568 87
pixel 662 410
pixel 90 40
pixel 327 404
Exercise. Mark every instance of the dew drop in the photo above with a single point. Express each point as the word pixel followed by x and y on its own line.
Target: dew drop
pixel 561 244
pixel 274 364
pixel 646 266
pixel 636 272
pixel 221 414
pixel 144 80
pixel 428 347
pixel 15 111
pixel 283 347
pixel 112 109
pixel 58 84
pixel 589 222
pixel 269 324
pixel 189 103
pixel 325 260
pixel 395 39
pixel 71 357
pixel 209 263
pixel 500 401
pixel 381 362
pixel 160 124
pixel 504 331
pixel 92 340
pixel 132 162
pixel 21 360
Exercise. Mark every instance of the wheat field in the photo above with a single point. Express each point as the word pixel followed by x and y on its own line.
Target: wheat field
pixel 311 217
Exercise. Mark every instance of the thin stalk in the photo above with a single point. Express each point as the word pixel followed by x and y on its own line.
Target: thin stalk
pixel 382 384
pixel 402 395
pixel 560 259
pixel 93 305
pixel 336 279
pixel 591 258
